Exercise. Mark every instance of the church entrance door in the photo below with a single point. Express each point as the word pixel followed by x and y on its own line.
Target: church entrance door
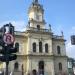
pixel 41 68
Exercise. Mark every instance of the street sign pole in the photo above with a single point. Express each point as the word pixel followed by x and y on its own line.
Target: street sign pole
pixel 7 63
pixel 8 39
pixel 8 50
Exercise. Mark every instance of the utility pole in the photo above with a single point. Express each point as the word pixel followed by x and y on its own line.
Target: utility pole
pixel 7 63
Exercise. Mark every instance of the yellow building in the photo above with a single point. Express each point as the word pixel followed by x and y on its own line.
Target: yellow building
pixel 40 51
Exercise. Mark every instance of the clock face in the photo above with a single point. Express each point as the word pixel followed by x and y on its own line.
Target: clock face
pixel 37 17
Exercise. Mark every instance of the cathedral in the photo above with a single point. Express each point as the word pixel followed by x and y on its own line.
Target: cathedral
pixel 40 51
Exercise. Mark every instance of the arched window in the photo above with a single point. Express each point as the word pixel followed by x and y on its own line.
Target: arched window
pixel 60 66
pixel 16 65
pixel 17 46
pixel 34 47
pixel 58 50
pixel 40 47
pixel 34 72
pixel 38 27
pixel 46 48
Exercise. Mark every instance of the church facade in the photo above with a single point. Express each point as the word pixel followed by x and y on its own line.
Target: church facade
pixel 40 51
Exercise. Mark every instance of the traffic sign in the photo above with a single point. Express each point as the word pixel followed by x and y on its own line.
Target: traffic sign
pixel 8 38
pixel 8 57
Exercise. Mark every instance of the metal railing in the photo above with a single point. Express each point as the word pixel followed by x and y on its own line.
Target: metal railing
pixel 38 30
pixel 57 37
pixel 38 53
pixel 19 33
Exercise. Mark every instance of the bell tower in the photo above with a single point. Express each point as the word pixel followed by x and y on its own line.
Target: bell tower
pixel 36 15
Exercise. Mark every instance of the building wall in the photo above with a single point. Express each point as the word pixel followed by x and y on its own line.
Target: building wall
pixel 22 45
pixel 48 64
pixel 37 38
pixel 33 15
pixel 30 60
pixel 62 60
pixel 60 43
pixel 59 58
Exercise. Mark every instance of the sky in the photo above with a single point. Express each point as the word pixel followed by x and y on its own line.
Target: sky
pixel 59 13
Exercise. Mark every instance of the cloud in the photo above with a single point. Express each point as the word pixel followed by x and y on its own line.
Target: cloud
pixel 19 25
pixel 70 49
pixel 73 28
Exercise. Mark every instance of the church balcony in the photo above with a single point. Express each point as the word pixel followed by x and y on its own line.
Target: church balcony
pixel 58 37
pixel 38 54
pixel 16 33
pixel 19 33
pixel 38 30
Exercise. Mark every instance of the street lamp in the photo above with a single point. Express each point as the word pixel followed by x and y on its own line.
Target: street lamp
pixel 73 39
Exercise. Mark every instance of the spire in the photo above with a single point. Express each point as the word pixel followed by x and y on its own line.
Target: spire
pixel 50 27
pixel 35 1
pixel 62 33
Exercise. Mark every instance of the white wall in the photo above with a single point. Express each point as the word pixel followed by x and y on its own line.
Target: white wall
pixel 62 47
